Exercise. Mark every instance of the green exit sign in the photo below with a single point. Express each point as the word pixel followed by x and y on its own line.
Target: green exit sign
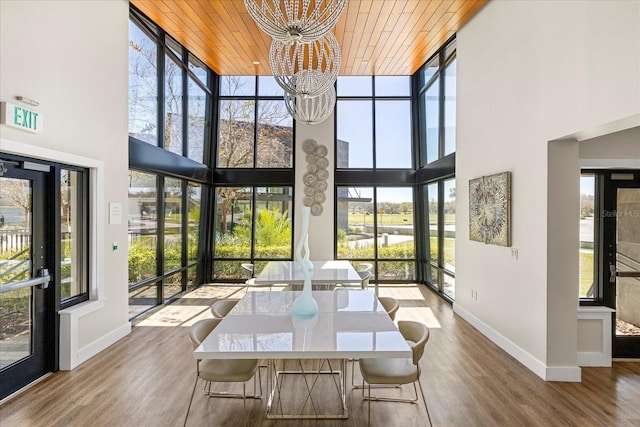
pixel 19 117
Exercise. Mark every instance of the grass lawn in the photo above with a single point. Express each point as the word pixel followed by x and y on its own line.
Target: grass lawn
pixel 357 219
pixel 586 272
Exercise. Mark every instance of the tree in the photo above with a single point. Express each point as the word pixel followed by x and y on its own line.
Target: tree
pixel 18 191
pixel 236 137
pixel 272 228
pixel 143 88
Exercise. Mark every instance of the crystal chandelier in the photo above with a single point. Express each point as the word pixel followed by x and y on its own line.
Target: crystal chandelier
pixel 305 69
pixel 311 110
pixel 295 20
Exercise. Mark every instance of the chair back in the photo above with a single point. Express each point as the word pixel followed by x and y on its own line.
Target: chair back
pixel 416 332
pixel 364 276
pixel 248 270
pixel 199 330
pixel 391 305
pixel 222 307
pixel 365 266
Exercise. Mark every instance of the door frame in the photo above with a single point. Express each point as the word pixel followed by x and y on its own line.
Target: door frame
pixel 46 348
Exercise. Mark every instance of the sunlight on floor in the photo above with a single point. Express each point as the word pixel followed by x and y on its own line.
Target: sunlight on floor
pixel 422 314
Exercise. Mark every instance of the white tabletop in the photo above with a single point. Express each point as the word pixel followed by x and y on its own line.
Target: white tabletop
pixel 323 272
pixel 349 323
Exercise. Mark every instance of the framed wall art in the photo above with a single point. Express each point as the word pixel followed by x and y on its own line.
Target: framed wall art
pixel 490 209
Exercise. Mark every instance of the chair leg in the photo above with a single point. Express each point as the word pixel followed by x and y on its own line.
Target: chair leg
pixel 388 399
pixel 369 407
pixel 425 401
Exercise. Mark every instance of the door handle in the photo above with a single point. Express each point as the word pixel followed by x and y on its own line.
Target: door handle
pixel 613 273
pixel 628 273
pixel 41 281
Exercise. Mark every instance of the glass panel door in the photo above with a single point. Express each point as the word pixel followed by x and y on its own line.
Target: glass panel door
pixel 23 280
pixel 628 268
pixel 621 215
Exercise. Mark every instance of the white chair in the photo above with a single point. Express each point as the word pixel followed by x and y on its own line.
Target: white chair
pixel 222 307
pixel 365 276
pixel 391 306
pixel 365 266
pixel 222 370
pixel 398 370
pixel 249 272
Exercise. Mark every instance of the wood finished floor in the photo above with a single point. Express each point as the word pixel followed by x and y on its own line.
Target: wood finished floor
pixel 146 379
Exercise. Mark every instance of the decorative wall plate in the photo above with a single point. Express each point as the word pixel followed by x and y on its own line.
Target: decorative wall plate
pixel 490 209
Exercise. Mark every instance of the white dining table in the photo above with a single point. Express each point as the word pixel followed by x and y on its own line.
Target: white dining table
pixel 349 324
pixel 292 272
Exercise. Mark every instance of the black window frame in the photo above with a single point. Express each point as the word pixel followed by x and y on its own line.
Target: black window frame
pixel 154 159
pixel 375 177
pixel 252 177
pixel 429 172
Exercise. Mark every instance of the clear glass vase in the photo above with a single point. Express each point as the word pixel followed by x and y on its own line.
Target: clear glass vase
pixel 305 305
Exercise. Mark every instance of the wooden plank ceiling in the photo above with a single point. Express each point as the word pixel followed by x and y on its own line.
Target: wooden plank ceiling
pixel 377 37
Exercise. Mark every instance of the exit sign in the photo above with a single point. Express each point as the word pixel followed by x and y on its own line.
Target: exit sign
pixel 21 118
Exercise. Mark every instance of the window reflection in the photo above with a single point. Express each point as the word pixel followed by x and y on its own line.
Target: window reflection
pixel 143 86
pixel 194 197
pixel 236 134
pixel 275 135
pixel 142 226
pixel 173 107
pixel 450 108
pixel 172 224
pixel 197 121
pixel 587 227
pixel 73 265
pixel 430 101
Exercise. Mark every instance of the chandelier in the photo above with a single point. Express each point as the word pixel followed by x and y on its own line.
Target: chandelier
pixel 311 110
pixel 304 55
pixel 295 20
pixel 305 69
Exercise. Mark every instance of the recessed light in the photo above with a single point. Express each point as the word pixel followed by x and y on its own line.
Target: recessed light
pixel 256 62
pixel 365 61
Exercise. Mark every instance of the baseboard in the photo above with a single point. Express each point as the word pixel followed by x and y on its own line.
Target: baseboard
pixel 593 358
pixel 547 373
pixel 102 343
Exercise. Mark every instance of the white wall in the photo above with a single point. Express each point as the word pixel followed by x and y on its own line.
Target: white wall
pixel 530 73
pixel 321 228
pixel 72 57
pixel 619 149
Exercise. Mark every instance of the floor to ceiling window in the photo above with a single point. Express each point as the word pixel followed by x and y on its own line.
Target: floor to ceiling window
pixel 253 180
pixel 169 136
pixel 436 106
pixel 212 172
pixel 374 180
